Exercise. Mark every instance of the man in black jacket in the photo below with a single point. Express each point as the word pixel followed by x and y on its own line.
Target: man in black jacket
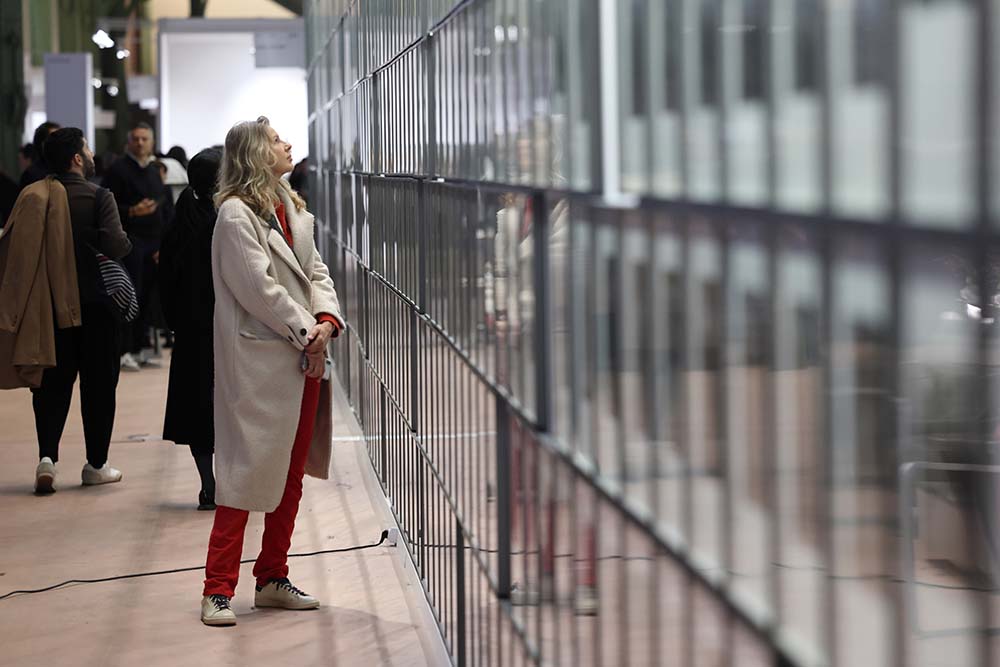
pixel 90 350
pixel 145 207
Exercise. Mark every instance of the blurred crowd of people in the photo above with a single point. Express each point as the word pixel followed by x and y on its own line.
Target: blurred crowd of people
pixel 151 214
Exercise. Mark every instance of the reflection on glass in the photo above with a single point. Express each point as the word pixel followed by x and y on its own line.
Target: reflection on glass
pixel 950 521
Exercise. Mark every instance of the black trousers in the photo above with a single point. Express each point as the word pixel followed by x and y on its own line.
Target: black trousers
pixel 92 351
pixel 142 269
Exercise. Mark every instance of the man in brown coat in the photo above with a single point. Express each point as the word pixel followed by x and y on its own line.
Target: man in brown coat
pixel 91 350
pixel 38 289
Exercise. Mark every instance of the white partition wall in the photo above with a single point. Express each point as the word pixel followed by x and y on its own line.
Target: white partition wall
pixel 69 95
pixel 214 73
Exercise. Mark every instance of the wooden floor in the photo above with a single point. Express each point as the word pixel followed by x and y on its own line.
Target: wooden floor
pixel 373 612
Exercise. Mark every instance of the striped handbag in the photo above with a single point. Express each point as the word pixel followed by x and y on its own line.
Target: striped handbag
pixel 117 284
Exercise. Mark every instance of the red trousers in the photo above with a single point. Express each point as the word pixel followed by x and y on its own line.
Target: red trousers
pixel 225 546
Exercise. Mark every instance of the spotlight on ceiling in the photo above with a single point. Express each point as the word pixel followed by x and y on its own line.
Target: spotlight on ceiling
pixel 103 39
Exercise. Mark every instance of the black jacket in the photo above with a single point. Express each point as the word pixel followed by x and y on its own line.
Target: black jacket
pixel 34 173
pixel 96 226
pixel 188 301
pixel 131 184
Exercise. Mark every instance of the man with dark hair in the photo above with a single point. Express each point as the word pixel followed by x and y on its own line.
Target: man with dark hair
pixel 90 350
pixel 145 206
pixel 38 170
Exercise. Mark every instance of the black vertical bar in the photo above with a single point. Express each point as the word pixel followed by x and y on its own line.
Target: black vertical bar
pixel 722 415
pixel 376 163
pixel 893 587
pixel 423 220
pixel 460 631
pixel 825 507
pixel 503 498
pixel 985 142
pixel 383 425
pixel 825 77
pixel 771 463
pixel 540 275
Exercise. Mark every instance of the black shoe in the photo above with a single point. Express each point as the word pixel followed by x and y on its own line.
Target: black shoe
pixel 206 501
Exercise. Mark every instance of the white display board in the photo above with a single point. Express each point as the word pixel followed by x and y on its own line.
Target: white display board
pixel 209 80
pixel 69 95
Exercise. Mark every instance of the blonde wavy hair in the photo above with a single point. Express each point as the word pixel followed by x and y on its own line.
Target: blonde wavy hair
pixel 247 169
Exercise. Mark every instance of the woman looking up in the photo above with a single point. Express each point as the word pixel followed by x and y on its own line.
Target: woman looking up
pixel 275 312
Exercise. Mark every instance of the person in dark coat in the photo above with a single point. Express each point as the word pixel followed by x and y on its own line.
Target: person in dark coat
pixel 38 170
pixel 145 208
pixel 188 301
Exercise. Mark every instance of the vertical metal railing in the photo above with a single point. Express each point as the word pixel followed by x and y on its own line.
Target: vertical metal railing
pixel 492 359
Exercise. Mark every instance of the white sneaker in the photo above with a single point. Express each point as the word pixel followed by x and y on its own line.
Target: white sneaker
pixel 128 363
pixel 103 475
pixel 45 476
pixel 281 593
pixel 216 610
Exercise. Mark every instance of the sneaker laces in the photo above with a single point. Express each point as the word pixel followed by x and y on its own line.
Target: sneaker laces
pixel 221 602
pixel 287 585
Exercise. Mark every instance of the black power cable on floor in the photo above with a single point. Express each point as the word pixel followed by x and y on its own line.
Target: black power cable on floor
pixel 381 540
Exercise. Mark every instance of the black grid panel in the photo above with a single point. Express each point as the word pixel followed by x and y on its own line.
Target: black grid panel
pixel 744 414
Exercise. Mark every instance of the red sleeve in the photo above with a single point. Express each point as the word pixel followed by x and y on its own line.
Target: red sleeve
pixel 327 317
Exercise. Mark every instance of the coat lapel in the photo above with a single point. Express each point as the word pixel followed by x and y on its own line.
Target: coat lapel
pixel 279 246
pixel 300 223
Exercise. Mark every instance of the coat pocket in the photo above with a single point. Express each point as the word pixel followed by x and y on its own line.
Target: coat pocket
pixel 258 331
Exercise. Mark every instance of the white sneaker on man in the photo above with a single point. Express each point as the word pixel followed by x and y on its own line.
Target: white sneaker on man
pixel 281 593
pixel 45 476
pixel 128 363
pixel 216 610
pixel 103 475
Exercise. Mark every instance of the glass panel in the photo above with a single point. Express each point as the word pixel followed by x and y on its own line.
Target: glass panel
pixel 742 38
pixel 633 91
pixel 704 305
pixel 607 327
pixel 701 51
pixel 664 39
pixel 798 434
pixel 583 367
pixel 949 527
pixel 582 62
pixel 562 303
pixel 749 447
pixel 635 369
pixel 859 82
pixel 556 54
pixel 668 321
pixel 862 472
pixel 939 105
